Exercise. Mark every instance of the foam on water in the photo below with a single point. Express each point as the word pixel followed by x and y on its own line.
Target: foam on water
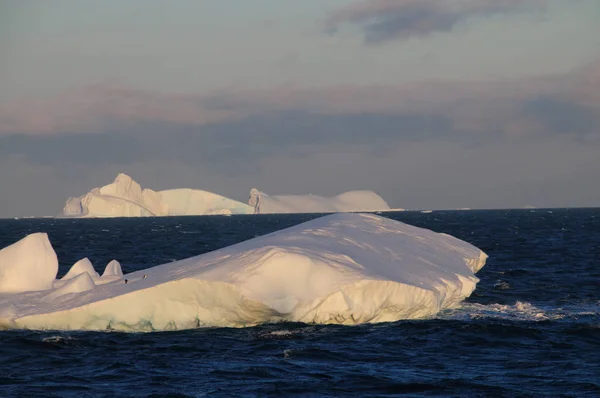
pixel 522 311
pixel 57 339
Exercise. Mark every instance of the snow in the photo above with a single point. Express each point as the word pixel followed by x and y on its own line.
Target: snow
pixel 353 201
pixel 82 266
pixel 125 198
pixel 196 202
pixel 28 265
pixel 78 284
pixel 342 269
pixel 113 269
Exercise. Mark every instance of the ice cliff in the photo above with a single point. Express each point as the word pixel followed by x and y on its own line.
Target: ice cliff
pixel 342 268
pixel 126 198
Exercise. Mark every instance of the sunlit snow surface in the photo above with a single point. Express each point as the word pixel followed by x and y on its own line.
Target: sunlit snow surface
pixel 341 268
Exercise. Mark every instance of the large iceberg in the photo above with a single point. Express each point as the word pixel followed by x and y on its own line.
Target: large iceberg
pixel 341 268
pixel 353 201
pixel 126 198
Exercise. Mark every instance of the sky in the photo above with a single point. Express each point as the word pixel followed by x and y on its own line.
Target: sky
pixel 432 104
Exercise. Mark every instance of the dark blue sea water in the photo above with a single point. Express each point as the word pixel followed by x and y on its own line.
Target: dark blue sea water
pixel 531 328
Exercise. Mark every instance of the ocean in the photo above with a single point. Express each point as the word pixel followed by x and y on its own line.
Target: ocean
pixel 531 328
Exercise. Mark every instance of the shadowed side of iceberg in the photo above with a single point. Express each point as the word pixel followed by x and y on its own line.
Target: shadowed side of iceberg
pixel 196 303
pixel 175 305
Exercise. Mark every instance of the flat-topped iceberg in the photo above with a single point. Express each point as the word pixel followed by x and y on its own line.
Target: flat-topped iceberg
pixel 353 201
pixel 342 269
pixel 125 198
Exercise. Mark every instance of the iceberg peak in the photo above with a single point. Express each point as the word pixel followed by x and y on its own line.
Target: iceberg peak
pixel 123 179
pixel 113 268
pixel 82 266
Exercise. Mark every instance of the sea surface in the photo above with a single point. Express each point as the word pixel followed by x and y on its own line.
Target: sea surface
pixel 531 328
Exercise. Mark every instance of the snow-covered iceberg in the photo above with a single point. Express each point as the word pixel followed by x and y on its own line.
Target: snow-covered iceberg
pixel 126 198
pixel 353 201
pixel 341 268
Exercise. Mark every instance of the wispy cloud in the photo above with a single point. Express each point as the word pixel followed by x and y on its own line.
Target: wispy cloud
pixel 385 20
pixel 554 104
pixel 97 107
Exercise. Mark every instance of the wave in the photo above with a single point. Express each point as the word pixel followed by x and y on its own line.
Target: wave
pixel 524 311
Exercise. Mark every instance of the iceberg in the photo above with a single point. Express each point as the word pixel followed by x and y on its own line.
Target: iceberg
pixel 80 267
pixel 338 269
pixel 352 201
pixel 197 202
pixel 125 198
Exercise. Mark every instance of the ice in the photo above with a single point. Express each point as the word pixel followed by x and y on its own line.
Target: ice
pixel 28 265
pixel 196 202
pixel 113 268
pixel 341 268
pixel 353 201
pixel 82 266
pixel 125 198
pixel 524 311
pixel 122 198
pixel 78 284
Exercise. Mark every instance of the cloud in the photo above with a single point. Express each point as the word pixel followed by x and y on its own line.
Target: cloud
pixel 385 20
pixel 431 144
pixel 259 135
pixel 561 104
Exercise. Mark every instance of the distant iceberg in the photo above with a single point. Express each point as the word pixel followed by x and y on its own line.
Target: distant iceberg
pixel 125 198
pixel 353 201
pixel 338 269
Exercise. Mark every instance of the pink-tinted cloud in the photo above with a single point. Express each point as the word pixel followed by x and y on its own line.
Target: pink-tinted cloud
pixel 385 20
pixel 563 104
pixel 584 87
pixel 94 107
